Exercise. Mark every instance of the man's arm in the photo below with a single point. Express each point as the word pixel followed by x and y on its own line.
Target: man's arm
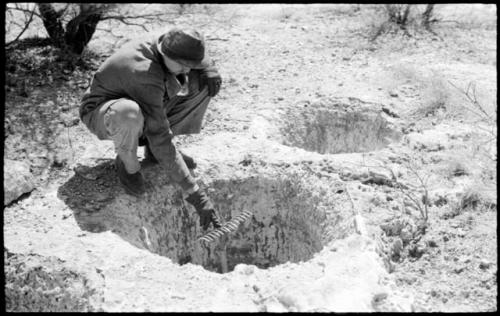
pixel 212 79
pixel 159 134
pixel 149 95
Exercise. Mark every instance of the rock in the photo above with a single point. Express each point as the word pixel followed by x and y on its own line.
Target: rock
pixel 389 111
pixel 378 178
pixel 18 180
pixel 379 297
pixel 244 269
pixel 393 227
pixel 431 243
pixel 460 232
pixel 397 248
pixel 458 270
pixel 406 235
pixel 484 264
pixel 393 93
pixel 416 250
pixel 60 159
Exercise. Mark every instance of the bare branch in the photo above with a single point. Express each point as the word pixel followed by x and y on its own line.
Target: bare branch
pixel 122 17
pixel 26 25
pixel 63 10
pixel 471 95
pixel 26 11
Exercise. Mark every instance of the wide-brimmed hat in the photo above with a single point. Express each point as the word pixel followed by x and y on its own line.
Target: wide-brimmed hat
pixel 185 46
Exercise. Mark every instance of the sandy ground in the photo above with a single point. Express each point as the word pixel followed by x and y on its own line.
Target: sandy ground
pixel 314 121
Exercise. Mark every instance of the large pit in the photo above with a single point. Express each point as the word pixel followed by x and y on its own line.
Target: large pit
pixel 338 127
pixel 291 221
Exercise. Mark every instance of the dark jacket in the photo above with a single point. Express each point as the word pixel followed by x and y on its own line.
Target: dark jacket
pixel 136 71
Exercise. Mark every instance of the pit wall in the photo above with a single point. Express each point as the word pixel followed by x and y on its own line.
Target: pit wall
pixel 293 218
pixel 333 126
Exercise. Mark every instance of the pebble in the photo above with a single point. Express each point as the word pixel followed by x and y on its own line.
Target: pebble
pixel 406 235
pixel 377 298
pixel 484 264
pixel 431 243
pixel 458 270
pixel 393 94
pixel 397 246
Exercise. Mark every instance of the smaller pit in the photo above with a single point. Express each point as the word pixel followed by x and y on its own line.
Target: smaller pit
pixel 337 127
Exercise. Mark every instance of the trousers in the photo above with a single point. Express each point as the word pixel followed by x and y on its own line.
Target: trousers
pixel 122 120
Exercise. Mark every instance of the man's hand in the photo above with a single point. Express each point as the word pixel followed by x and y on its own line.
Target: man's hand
pixel 205 209
pixel 213 80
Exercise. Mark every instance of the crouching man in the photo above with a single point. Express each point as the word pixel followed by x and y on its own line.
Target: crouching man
pixel 144 94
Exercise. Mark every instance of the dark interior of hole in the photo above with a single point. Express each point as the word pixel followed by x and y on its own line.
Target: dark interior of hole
pixel 285 227
pixel 337 132
pixel 287 224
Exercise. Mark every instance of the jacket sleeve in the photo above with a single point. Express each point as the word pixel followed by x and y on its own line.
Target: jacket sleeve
pixel 149 95
pixel 210 70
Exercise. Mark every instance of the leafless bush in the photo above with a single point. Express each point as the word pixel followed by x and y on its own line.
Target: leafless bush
pixel 477 196
pixel 484 119
pixel 418 194
pixel 399 17
pixel 18 19
pixel 427 16
pixel 415 194
pixel 434 93
pixel 70 26
pixel 398 13
pixel 478 109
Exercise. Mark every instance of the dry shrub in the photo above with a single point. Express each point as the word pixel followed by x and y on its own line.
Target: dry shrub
pixel 406 18
pixel 457 168
pixel 469 16
pixel 433 93
pixel 478 196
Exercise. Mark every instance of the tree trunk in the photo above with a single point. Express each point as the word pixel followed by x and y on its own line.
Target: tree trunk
pixel 404 19
pixel 52 22
pixel 426 16
pixel 79 30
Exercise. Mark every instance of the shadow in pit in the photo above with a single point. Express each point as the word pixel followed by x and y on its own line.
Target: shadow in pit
pixel 89 193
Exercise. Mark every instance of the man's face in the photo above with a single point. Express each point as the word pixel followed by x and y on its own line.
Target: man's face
pixel 175 67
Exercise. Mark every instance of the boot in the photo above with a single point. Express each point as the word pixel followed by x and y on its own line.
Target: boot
pixel 132 183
